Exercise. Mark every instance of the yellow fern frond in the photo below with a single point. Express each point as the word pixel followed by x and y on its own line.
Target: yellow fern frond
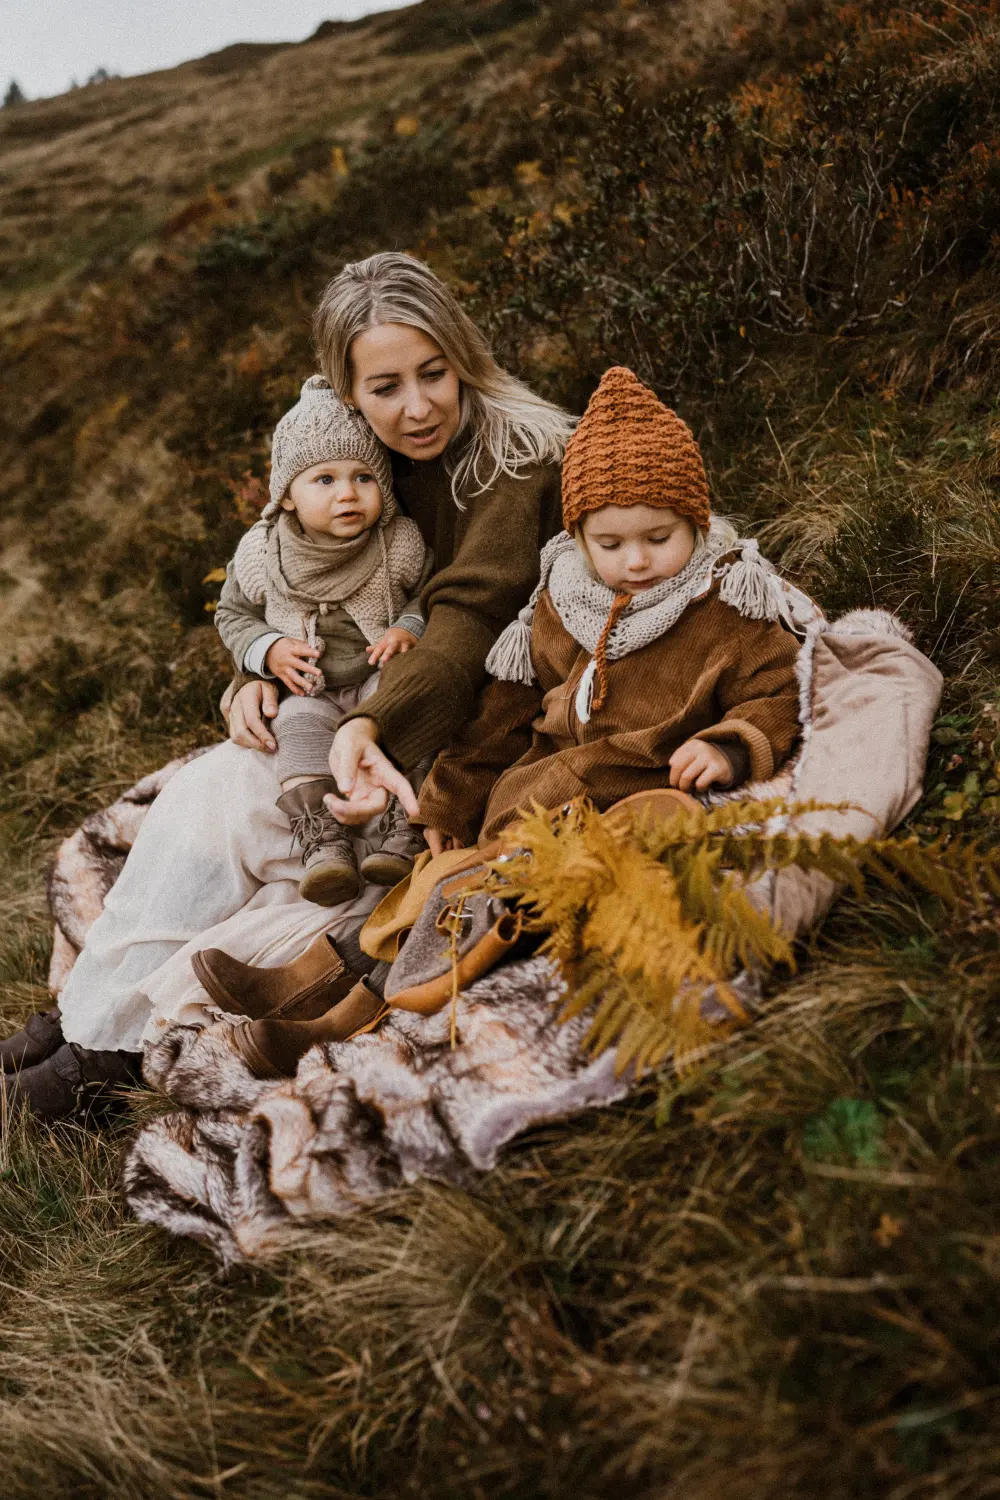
pixel 644 919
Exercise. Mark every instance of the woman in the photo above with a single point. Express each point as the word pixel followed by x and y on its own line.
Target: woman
pixel 476 465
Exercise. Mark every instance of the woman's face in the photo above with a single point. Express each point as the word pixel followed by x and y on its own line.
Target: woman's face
pixel 405 386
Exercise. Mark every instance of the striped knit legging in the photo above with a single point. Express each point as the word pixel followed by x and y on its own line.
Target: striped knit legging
pixel 305 728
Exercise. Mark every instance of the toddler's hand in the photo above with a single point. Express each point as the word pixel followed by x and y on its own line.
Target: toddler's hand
pixel 292 662
pixel 438 842
pixel 700 765
pixel 395 641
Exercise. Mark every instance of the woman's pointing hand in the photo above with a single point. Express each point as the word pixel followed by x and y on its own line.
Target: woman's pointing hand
pixel 365 775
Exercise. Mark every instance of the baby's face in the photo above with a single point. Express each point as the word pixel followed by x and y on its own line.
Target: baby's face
pixel 634 547
pixel 339 499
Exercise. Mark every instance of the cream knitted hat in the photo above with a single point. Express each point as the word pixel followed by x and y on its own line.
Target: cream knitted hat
pixel 320 429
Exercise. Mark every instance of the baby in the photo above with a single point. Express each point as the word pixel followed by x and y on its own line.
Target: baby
pixel 331 571
pixel 650 653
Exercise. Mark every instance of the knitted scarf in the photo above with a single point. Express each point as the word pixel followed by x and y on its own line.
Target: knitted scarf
pixel 329 570
pixel 611 625
pixel 370 576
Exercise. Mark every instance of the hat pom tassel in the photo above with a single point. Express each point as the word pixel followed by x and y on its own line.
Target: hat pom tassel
pixel 751 585
pixel 510 659
pixel 585 692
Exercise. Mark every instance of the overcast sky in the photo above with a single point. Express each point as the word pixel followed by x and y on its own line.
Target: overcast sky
pixel 45 44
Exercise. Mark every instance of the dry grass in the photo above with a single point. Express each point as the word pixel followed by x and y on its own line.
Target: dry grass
pixel 772 1278
pixel 776 1276
pixel 872 520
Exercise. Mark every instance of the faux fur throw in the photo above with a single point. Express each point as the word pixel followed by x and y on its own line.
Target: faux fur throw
pixel 583 603
pixel 371 576
pixel 245 1161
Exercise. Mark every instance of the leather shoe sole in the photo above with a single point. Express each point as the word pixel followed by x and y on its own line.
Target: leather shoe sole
pixel 329 885
pixel 386 869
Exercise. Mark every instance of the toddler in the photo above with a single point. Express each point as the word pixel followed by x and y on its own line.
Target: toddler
pixel 650 653
pixel 332 571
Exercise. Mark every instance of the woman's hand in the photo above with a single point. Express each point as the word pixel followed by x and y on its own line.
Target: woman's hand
pixel 292 662
pixel 395 641
pixel 700 765
pixel 255 702
pixel 365 776
pixel 438 842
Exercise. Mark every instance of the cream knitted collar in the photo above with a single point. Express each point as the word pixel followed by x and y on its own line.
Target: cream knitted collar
pixel 749 584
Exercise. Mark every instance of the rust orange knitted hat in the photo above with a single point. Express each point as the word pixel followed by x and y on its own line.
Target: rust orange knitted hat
pixel 630 449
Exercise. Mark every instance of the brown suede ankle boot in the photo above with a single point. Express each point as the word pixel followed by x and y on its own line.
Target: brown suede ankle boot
pixel 38 1038
pixel 272 1049
pixel 327 852
pixel 297 991
pixel 72 1081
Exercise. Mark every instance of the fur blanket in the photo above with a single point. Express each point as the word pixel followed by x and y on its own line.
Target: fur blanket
pixel 245 1159
pixel 241 1161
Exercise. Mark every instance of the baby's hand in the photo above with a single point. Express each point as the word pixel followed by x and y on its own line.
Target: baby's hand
pixel 292 662
pixel 395 641
pixel 700 765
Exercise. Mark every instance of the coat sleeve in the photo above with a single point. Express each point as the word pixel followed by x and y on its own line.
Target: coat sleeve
pixel 425 695
pixel 454 796
pixel 760 698
pixel 238 620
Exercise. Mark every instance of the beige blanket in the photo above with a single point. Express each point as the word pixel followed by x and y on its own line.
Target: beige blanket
pixel 242 1160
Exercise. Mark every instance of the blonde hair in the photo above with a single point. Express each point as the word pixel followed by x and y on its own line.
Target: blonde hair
pixel 503 426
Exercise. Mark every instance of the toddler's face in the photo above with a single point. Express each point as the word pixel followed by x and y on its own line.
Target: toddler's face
pixel 339 499
pixel 634 547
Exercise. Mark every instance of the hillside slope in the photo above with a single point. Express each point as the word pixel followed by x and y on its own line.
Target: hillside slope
pixel 102 170
pixel 167 238
pixel 774 1276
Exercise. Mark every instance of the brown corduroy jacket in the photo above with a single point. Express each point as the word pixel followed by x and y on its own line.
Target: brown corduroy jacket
pixel 714 676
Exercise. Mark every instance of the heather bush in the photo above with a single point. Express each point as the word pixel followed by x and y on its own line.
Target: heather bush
pixel 692 236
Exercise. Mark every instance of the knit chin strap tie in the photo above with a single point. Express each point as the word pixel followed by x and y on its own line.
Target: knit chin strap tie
pixel 386 576
pixel 587 701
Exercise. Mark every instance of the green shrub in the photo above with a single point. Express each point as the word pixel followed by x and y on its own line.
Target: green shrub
pixel 689 237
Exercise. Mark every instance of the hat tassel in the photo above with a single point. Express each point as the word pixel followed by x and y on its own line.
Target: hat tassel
pixel 751 585
pixel 510 659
